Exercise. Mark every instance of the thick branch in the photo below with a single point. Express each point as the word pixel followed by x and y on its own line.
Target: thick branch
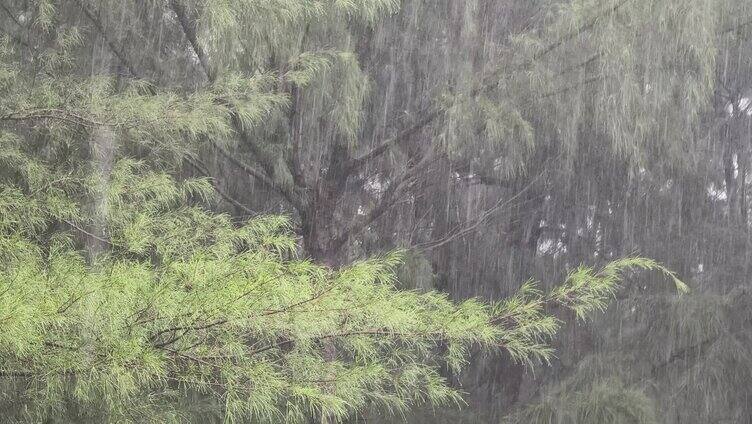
pixel 189 29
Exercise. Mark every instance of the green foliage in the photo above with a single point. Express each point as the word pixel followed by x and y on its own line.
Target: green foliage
pixel 695 345
pixel 608 401
pixel 122 294
pixel 186 302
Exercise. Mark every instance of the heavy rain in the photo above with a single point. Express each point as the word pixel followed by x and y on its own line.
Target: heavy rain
pixel 375 211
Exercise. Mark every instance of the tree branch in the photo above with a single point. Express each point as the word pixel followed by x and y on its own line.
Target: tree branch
pixel 56 114
pixel 95 19
pixel 189 29
pixel 377 151
pixel 735 27
pixel 581 65
pixel 562 40
pixel 296 136
pixel 94 236
pixel 432 113
pixel 188 26
pixel 472 225
pixel 11 15
pixel 258 175
pixel 16 38
pixel 575 86
pixel 387 200
pixel 201 170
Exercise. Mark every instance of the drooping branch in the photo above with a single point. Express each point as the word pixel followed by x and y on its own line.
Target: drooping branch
pixel 201 170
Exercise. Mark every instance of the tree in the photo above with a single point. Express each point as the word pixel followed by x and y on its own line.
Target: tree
pixel 173 299
pixel 191 82
pixel 319 151
pixel 182 302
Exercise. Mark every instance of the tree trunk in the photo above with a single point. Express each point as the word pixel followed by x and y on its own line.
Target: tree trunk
pixel 322 236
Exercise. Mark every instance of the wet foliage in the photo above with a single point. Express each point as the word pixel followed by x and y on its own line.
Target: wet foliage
pixel 160 158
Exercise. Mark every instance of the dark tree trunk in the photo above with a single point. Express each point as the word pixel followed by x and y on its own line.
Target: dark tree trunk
pixel 323 238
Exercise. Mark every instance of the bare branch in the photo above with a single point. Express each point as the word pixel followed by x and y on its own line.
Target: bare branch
pixel 472 225
pixel 403 135
pixel 94 236
pixel 387 200
pixel 55 114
